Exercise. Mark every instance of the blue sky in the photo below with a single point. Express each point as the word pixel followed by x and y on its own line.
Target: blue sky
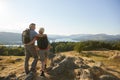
pixel 63 17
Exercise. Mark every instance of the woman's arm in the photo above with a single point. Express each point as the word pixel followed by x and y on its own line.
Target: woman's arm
pixel 31 41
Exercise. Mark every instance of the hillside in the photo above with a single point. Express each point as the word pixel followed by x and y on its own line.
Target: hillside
pixel 67 66
pixel 15 38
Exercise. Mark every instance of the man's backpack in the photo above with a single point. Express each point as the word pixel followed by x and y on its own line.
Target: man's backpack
pixel 26 36
pixel 42 42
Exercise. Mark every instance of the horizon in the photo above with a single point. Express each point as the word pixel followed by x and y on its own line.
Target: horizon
pixel 61 17
pixel 66 35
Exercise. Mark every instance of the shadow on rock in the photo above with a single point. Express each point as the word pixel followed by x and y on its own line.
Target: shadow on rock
pixel 64 69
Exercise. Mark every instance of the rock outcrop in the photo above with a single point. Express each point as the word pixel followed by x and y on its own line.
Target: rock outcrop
pixel 68 68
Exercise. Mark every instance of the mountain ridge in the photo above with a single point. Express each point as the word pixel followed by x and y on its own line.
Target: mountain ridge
pixel 15 38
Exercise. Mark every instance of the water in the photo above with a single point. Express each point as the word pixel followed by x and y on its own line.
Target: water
pixel 12 45
pixel 56 40
pixel 65 40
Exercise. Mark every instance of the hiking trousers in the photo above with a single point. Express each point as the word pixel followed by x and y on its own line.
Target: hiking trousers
pixel 30 51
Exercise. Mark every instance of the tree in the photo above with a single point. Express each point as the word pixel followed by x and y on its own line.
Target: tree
pixel 79 47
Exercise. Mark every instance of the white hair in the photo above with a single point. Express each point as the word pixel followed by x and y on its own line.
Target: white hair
pixel 41 30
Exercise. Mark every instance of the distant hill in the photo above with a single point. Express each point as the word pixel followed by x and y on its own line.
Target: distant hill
pixel 15 38
pixel 84 37
pixel 10 38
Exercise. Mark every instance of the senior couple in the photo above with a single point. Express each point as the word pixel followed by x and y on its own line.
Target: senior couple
pixel 31 50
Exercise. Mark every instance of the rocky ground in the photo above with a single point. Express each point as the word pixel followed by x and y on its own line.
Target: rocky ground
pixel 65 66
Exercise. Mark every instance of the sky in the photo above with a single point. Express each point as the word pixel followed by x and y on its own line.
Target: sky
pixel 61 17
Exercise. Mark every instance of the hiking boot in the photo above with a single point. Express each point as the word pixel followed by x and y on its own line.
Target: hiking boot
pixel 27 72
pixel 30 76
pixel 33 70
pixel 42 73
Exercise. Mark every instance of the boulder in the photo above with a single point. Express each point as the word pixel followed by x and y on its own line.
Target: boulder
pixel 97 71
pixel 86 74
pixel 18 59
pixel 108 77
pixel 64 68
pixel 58 58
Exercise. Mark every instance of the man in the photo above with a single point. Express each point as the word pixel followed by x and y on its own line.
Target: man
pixel 31 51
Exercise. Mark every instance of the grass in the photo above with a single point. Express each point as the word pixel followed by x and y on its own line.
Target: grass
pixel 91 54
pixel 102 57
pixel 10 60
pixel 111 65
pixel 7 63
